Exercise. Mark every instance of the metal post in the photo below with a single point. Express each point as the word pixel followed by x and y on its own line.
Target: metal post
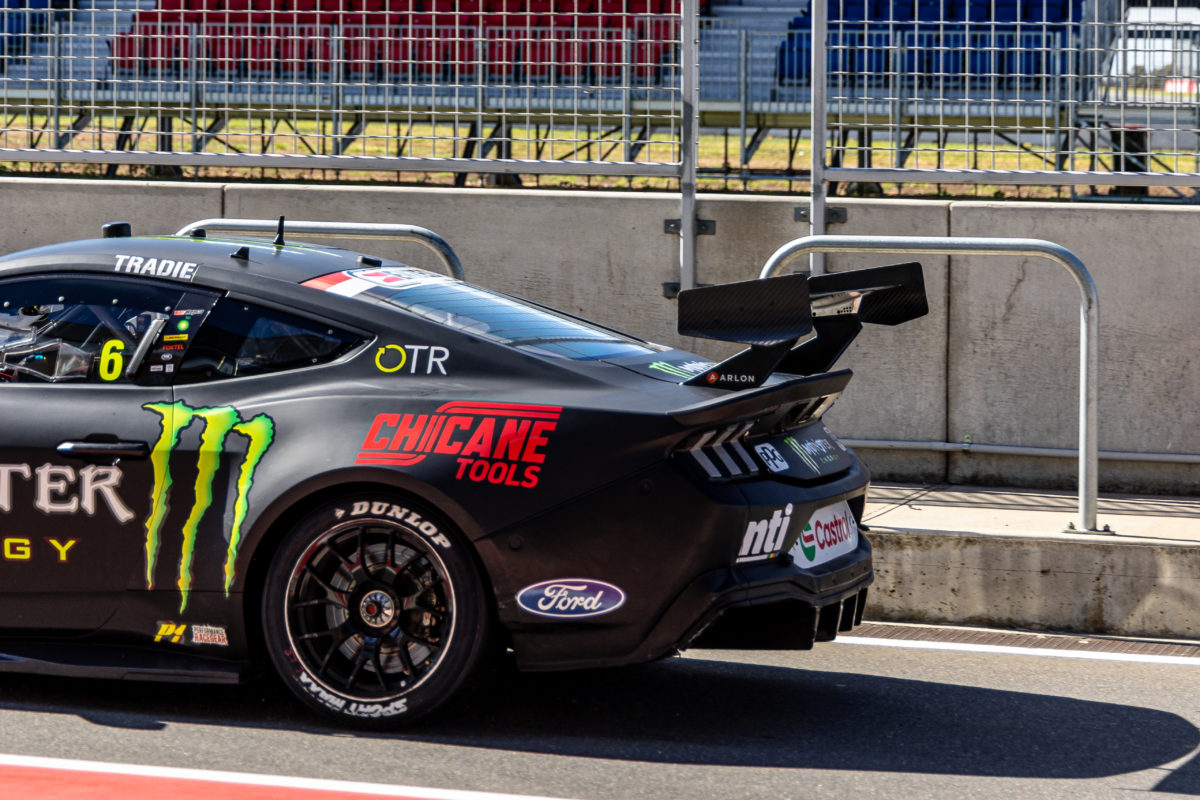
pixel 1089 319
pixel 689 44
pixel 743 97
pixel 819 125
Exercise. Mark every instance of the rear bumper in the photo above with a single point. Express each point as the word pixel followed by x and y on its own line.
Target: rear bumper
pixel 676 560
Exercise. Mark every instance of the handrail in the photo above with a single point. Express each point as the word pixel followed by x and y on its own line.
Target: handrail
pixel 339 230
pixel 1089 318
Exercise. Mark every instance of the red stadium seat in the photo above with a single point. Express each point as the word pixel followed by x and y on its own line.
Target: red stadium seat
pixel 226 47
pixel 360 54
pixel 295 52
pixel 396 57
pixel 126 54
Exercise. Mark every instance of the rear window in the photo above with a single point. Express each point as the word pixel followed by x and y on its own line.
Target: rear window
pixel 482 312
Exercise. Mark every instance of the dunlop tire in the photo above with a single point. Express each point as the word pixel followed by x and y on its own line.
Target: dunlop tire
pixel 288 615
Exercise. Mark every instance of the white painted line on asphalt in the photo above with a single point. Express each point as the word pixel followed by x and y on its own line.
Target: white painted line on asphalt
pixel 999 649
pixel 251 779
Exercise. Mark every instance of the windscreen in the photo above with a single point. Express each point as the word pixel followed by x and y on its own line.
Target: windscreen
pixel 482 312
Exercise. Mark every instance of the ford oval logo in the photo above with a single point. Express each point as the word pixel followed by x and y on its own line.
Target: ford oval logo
pixel 571 598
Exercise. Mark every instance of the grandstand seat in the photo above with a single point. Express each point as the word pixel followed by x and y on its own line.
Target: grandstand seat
pixel 395 55
pixel 932 10
pixel 126 51
pixel 506 6
pixel 794 59
pixel 225 47
pixel 850 11
pixel 295 52
pixel 1047 11
pixel 1006 11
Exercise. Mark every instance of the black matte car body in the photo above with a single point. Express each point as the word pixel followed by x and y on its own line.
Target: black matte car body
pixel 223 452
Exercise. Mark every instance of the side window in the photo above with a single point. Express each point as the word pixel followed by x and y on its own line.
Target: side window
pixel 79 329
pixel 239 339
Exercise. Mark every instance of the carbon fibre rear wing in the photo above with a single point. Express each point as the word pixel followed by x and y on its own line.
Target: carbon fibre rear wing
pixel 794 323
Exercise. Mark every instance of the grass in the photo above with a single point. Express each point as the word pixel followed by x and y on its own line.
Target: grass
pixel 779 166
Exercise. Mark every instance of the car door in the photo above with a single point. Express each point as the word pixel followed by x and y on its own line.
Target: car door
pixel 84 388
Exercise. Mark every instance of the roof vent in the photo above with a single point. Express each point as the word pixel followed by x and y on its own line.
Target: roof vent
pixel 116 230
pixel 370 261
pixel 199 233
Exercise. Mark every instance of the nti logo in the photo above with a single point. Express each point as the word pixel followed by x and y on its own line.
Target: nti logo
pixel 219 423
pixel 764 537
pixel 831 532
pixel 498 443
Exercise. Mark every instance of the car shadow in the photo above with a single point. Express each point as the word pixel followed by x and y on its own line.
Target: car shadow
pixel 695 711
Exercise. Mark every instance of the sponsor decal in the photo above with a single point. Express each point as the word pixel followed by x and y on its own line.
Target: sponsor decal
pixel 175 337
pixel 772 457
pixel 155 267
pixel 684 370
pixel 814 451
pixel 831 532
pixel 170 632
pixel 728 377
pixel 351 283
pixel 395 357
pixel 64 490
pixel 20 548
pixel 571 598
pixel 498 443
pixel 218 423
pixel 382 508
pixel 764 537
pixel 210 634
pixel 173 632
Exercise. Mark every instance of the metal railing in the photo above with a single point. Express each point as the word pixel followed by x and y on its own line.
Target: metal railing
pixel 1089 320
pixel 337 230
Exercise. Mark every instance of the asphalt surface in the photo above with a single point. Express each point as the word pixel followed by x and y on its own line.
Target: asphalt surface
pixel 843 720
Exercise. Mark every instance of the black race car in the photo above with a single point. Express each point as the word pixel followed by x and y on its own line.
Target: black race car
pixel 219 453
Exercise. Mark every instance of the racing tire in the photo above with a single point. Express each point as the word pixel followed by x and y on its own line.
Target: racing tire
pixel 374 611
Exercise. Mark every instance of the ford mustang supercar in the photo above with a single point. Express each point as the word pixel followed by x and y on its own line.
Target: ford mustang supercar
pixel 220 454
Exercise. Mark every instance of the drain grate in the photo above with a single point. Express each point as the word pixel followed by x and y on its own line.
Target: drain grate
pixel 1027 639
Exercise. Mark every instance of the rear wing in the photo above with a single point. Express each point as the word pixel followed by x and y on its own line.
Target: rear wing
pixel 794 323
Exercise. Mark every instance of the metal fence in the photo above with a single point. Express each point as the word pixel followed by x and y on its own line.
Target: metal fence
pixel 391 85
pixel 1043 92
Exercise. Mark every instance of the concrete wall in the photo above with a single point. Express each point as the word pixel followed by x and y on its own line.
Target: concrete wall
pixel 1081 583
pixel 996 358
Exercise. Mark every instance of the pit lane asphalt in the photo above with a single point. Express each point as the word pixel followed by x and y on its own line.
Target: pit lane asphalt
pixel 844 720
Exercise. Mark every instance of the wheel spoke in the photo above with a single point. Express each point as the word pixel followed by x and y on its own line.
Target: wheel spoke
pixel 406 663
pixel 312 573
pixel 378 664
pixel 318 634
pixel 390 561
pixel 323 601
pixel 359 661
pixel 337 645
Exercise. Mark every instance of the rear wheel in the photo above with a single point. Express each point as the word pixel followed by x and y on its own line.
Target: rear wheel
pixel 374 611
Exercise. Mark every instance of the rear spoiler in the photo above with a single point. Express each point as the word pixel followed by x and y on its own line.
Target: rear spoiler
pixel 794 323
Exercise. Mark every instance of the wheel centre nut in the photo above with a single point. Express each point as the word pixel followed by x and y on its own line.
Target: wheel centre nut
pixel 377 609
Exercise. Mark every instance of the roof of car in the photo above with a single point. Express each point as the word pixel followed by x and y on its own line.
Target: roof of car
pixel 184 258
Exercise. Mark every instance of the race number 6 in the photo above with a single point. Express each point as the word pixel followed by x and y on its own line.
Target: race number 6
pixel 111 360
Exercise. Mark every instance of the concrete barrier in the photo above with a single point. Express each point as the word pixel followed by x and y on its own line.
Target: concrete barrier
pixel 996 359
pixel 1087 584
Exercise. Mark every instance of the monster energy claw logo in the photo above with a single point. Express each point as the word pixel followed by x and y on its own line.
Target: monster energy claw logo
pixel 218 422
